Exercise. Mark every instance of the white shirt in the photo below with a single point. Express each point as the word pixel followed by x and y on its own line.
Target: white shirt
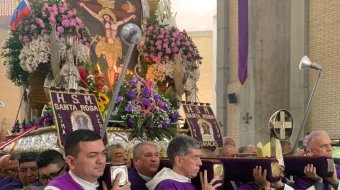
pixel 84 184
pixel 146 178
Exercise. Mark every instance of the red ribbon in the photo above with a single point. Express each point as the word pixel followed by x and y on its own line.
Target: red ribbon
pixel 17 137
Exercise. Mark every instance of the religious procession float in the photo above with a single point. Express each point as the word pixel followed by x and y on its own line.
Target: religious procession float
pixel 104 73
pixel 120 70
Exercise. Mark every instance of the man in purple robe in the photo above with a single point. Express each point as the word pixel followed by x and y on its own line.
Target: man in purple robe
pixel 117 154
pixel 28 172
pixel 51 164
pixel 146 164
pixel 184 155
pixel 12 170
pixel 318 144
pixel 86 158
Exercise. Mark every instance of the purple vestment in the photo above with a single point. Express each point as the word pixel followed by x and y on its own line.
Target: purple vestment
pixel 65 182
pixel 169 184
pixel 305 183
pixel 137 182
pixel 11 186
pixel 6 181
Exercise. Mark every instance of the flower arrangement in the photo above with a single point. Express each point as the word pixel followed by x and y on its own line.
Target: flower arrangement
pixel 95 82
pixel 44 121
pixel 145 110
pixel 28 48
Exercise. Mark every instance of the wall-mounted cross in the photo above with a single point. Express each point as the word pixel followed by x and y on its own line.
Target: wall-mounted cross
pixel 247 118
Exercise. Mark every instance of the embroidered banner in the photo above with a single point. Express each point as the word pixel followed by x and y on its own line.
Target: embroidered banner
pixel 203 125
pixel 73 111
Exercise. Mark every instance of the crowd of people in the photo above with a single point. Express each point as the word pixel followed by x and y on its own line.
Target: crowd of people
pixel 86 157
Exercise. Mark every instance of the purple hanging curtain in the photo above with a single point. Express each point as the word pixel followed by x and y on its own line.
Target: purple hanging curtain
pixel 242 40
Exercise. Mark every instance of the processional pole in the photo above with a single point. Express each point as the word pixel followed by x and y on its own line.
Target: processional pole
pixel 304 64
pixel 131 35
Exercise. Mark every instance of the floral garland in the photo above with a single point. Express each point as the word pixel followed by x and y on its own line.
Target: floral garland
pixel 44 121
pixel 142 108
pixel 29 43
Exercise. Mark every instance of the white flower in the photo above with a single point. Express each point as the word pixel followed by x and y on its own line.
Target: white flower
pixel 4 44
pixel 10 32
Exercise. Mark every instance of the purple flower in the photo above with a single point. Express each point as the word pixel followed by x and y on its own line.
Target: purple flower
pixel 147 91
pixel 145 101
pixel 174 117
pixel 156 97
pixel 164 123
pixel 150 127
pixel 132 94
pixel 129 122
pixel 133 82
pixel 129 108
pixel 165 106
pixel 119 99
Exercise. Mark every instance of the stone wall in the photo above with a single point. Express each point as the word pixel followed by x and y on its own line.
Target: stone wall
pixel 324 49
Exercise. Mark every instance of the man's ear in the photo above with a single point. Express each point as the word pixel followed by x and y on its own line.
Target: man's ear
pixel 178 161
pixel 71 162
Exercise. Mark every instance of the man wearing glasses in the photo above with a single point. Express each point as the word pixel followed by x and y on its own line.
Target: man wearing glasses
pixel 28 172
pixel 4 166
pixel 12 170
pixel 51 164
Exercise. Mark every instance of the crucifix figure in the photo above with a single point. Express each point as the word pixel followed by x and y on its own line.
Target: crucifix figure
pixel 282 125
pixel 247 118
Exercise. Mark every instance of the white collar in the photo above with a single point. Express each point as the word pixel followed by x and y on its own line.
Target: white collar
pixel 84 184
pixel 146 178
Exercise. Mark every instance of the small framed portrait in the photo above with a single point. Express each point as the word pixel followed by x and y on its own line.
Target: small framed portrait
pixel 206 130
pixel 80 120
pixel 116 169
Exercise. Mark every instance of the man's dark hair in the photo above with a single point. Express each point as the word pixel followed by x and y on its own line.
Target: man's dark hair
pixel 50 157
pixel 14 156
pixel 74 138
pixel 243 149
pixel 180 146
pixel 27 157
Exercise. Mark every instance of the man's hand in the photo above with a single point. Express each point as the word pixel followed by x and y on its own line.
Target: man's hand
pixel 261 178
pixel 310 172
pixel 115 184
pixel 205 184
pixel 334 179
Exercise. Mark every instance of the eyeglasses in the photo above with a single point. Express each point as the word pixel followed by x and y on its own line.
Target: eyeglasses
pixel 44 179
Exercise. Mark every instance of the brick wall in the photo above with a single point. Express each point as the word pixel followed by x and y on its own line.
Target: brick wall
pixel 324 48
pixel 233 110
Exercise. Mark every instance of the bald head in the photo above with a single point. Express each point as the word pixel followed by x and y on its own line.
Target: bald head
pixel 228 141
pixel 228 151
pixel 4 165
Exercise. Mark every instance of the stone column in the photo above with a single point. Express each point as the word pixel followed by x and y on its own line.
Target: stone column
pixel 222 62
pixel 267 88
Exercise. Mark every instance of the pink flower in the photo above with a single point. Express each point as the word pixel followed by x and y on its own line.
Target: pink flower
pixel 33 26
pixel 165 45
pixel 69 14
pixel 62 7
pixel 159 47
pixel 175 56
pixel 160 54
pixel 152 42
pixel 175 49
pixel 159 42
pixel 74 11
pixel 174 34
pixel 166 40
pixel 54 9
pixel 57 33
pixel 178 42
pixel 166 58
pixel 157 28
pixel 152 48
pixel 65 23
pixel 147 59
pixel 189 55
pixel 167 32
pixel 25 39
pixel 52 20
pixel 44 14
pixel 60 29
pixel 173 44
pixel 190 49
pixel 43 32
pixel 20 37
pixel 150 28
pixel 45 5
pixel 64 17
pixel 79 21
pixel 73 22
pixel 147 33
pixel 168 50
pixel 146 55
pixel 162 31
pixel 187 43
pixel 184 57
